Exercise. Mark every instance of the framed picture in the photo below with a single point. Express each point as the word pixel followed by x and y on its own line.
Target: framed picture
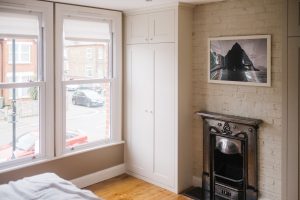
pixel 243 60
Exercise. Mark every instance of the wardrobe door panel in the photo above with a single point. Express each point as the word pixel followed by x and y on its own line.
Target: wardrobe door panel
pixel 141 134
pixel 162 26
pixel 137 29
pixel 164 134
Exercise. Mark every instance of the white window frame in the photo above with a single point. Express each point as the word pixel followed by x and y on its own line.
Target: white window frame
pixel 116 81
pixel 45 53
pixel 19 79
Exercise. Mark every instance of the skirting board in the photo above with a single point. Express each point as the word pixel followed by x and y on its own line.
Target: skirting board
pixel 99 176
pixel 197 181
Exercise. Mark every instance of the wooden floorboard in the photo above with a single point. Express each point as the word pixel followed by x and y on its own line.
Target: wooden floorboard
pixel 126 187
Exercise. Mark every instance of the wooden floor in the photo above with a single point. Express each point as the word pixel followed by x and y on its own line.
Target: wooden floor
pixel 126 187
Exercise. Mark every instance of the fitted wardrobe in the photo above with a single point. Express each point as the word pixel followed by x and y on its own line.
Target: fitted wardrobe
pixel 158 106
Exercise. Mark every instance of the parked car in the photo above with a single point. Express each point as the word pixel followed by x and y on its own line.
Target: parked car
pixel 87 98
pixel 27 144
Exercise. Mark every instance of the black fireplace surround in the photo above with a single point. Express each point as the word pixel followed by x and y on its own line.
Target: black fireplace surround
pixel 229 157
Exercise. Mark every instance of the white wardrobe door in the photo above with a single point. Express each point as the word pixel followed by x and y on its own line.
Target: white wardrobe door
pixel 164 134
pixel 162 26
pixel 137 29
pixel 140 141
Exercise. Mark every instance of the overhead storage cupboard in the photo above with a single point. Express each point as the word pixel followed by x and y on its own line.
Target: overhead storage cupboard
pixel 158 105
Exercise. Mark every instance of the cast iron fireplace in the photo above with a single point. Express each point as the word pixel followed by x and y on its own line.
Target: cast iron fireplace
pixel 229 157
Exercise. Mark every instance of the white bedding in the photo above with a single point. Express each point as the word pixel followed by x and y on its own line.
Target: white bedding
pixel 46 186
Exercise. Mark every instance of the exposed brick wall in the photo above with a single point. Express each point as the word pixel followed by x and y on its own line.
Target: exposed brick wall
pixel 235 18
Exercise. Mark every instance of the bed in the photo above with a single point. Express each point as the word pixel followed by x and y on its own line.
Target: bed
pixel 46 186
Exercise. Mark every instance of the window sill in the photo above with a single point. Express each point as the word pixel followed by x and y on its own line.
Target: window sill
pixel 45 160
pixel 80 151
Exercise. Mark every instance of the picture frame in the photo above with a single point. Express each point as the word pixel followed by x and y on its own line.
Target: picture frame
pixel 240 60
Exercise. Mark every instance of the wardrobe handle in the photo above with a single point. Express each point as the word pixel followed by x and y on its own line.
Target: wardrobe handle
pixel 148 111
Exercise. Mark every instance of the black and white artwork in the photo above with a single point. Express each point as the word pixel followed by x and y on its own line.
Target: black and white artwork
pixel 243 60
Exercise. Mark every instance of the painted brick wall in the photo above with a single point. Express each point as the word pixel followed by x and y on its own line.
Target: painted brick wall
pixel 234 18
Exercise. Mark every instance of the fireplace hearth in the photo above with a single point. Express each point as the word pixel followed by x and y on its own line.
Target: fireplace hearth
pixel 229 157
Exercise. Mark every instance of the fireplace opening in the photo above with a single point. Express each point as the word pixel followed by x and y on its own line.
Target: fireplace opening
pixel 229 155
pixel 229 166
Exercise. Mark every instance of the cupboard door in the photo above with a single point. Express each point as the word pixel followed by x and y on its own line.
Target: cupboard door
pixel 164 133
pixel 140 136
pixel 162 26
pixel 294 17
pixel 137 29
pixel 293 115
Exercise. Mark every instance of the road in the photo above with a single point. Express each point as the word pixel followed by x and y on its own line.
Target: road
pixel 89 121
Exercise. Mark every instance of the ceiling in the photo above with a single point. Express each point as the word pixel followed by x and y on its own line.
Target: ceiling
pixel 129 4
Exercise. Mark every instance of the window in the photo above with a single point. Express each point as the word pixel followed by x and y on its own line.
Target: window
pixel 22 53
pixel 91 101
pixel 89 91
pixel 25 77
pixel 88 95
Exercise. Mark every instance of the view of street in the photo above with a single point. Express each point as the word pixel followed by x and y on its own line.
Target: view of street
pixel 90 121
pixel 23 125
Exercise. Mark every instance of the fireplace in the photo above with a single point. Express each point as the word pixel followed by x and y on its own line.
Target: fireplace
pixel 229 157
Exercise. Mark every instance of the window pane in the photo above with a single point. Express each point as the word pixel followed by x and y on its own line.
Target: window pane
pixel 19 122
pixel 88 103
pixel 86 43
pixel 80 54
pixel 26 60
pixel 18 46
